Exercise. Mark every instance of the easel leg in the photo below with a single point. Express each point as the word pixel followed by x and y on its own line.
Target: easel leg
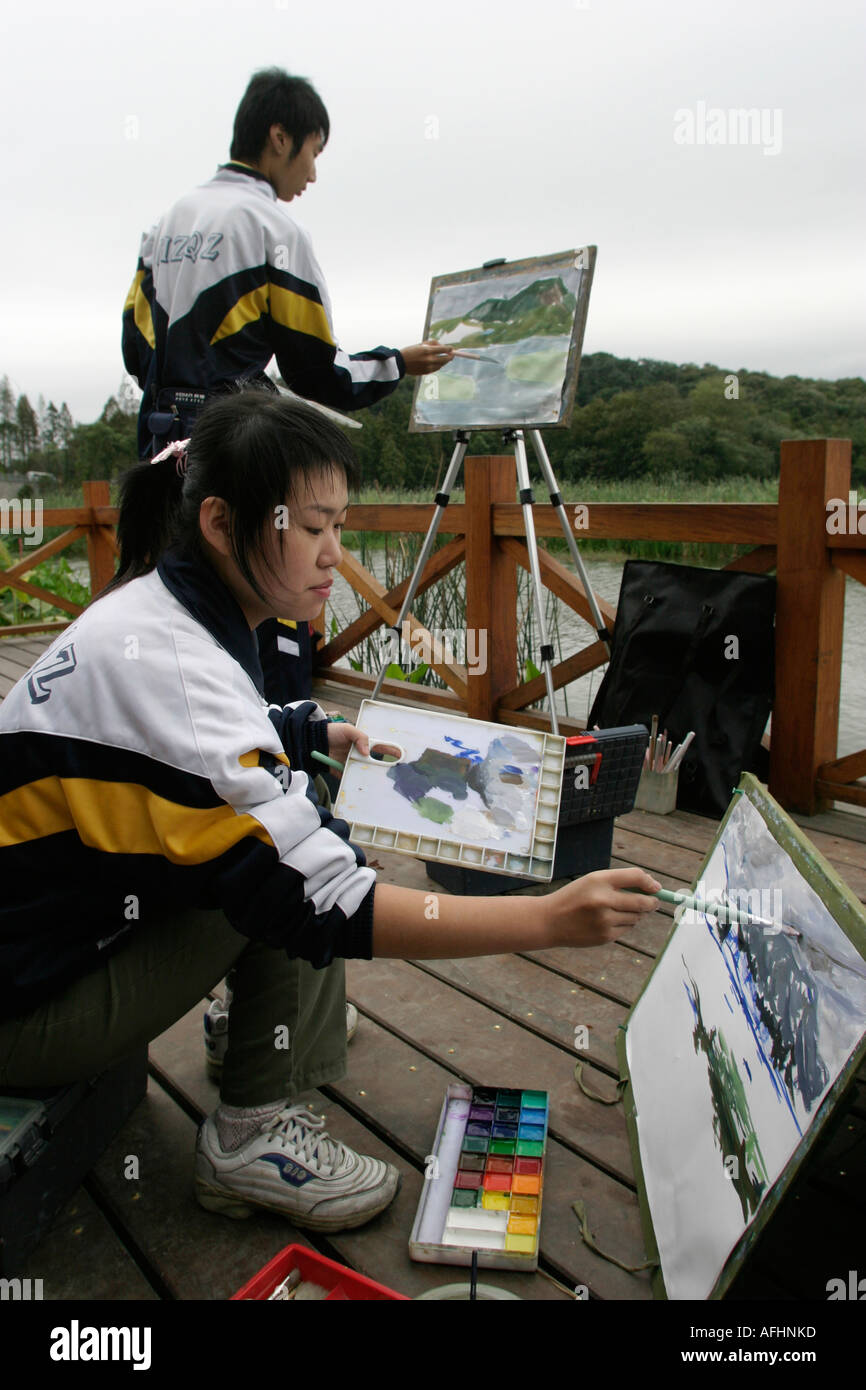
pixel 442 499
pixel 525 492
pixel 556 500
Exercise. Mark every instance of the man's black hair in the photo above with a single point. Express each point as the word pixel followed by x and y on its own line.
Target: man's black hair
pixel 275 98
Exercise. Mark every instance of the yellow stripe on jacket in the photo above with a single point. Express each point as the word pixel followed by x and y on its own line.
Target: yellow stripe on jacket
pixel 123 818
pixel 142 314
pixel 288 309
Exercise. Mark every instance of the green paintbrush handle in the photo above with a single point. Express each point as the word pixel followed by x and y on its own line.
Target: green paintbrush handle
pixel 721 911
pixel 323 758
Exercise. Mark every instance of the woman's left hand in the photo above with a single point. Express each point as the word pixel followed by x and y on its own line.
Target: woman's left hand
pixel 341 736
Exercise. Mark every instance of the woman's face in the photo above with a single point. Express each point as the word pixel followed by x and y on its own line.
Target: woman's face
pixel 298 561
pixel 295 566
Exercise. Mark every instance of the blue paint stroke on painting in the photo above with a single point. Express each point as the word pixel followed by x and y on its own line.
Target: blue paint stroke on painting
pixel 776 993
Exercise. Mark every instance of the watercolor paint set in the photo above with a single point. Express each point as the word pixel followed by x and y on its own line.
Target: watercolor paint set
pixel 484 1180
pixel 463 792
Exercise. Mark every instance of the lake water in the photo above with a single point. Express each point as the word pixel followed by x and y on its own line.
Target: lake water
pixel 605 577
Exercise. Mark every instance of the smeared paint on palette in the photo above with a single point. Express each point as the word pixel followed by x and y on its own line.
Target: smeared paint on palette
pixel 485 1179
pixel 464 791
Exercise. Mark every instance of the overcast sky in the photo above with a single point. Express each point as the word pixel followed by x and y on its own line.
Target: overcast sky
pixel 460 131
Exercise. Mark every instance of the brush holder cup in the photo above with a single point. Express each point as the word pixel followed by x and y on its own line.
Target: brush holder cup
pixel 657 791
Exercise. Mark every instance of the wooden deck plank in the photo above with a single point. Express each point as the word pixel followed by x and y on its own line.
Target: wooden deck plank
pixel 82 1258
pixel 544 1003
pixel 396 1091
pixel 655 855
pixel 618 972
pixel 34 645
pixel 845 824
pixel 404 1090
pixel 487 1049
pixel 688 831
pixel 16 659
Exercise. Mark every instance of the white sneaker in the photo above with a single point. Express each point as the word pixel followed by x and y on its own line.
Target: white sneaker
pixel 293 1167
pixel 216 1035
pixel 216 1032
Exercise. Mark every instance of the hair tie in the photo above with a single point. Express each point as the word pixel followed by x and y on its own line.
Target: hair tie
pixel 178 451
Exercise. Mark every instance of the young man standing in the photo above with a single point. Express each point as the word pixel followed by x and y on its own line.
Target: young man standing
pixel 227 280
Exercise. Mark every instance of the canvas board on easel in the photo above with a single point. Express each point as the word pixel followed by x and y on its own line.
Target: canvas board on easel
pixel 523 324
pixel 740 1045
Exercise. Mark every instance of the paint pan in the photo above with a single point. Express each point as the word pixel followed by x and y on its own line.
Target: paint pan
pixel 482 1192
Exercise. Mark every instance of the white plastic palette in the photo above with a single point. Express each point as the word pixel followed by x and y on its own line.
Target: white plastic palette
pixel 466 792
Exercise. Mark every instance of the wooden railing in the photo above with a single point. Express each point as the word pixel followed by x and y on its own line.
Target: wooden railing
pixel 96 520
pixel 487 532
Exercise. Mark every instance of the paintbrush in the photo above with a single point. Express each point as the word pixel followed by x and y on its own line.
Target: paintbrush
pixel 288 1288
pixel 476 357
pixel 724 913
pixel 331 762
pixel 651 748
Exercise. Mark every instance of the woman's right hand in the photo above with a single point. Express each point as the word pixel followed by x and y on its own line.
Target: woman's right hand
pixel 599 907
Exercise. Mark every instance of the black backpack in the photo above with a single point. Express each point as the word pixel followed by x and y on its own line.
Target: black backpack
pixel 696 647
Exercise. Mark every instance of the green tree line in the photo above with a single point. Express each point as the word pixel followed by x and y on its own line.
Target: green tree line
pixel 632 419
pixel 647 419
pixel 45 439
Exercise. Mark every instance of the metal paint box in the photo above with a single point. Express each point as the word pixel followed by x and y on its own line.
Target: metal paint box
pixel 495 1213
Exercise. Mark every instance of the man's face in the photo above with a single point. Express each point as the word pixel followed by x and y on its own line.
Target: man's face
pixel 292 172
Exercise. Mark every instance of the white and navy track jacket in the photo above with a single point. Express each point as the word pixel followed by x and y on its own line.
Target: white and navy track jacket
pixel 225 282
pixel 142 772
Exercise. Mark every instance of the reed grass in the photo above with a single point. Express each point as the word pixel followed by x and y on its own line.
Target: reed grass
pixel 444 605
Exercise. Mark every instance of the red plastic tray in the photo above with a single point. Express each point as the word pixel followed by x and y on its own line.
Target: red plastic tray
pixel 343 1283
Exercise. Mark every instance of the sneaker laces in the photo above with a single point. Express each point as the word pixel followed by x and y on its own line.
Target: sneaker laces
pixel 305 1132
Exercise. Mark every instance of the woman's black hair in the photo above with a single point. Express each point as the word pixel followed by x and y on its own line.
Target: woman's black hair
pixel 275 98
pixel 254 449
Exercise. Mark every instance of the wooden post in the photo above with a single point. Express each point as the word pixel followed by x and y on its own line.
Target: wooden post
pixel 491 587
pixel 809 616
pixel 100 551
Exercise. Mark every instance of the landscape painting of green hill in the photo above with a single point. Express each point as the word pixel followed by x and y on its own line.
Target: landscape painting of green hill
pixel 522 324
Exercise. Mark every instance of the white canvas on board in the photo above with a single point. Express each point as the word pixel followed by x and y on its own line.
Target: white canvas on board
pixel 817 980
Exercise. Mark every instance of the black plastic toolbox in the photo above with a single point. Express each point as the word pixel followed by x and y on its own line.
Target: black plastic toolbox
pixel 49 1140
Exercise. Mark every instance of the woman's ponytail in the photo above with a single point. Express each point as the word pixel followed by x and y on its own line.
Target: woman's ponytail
pixel 150 497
